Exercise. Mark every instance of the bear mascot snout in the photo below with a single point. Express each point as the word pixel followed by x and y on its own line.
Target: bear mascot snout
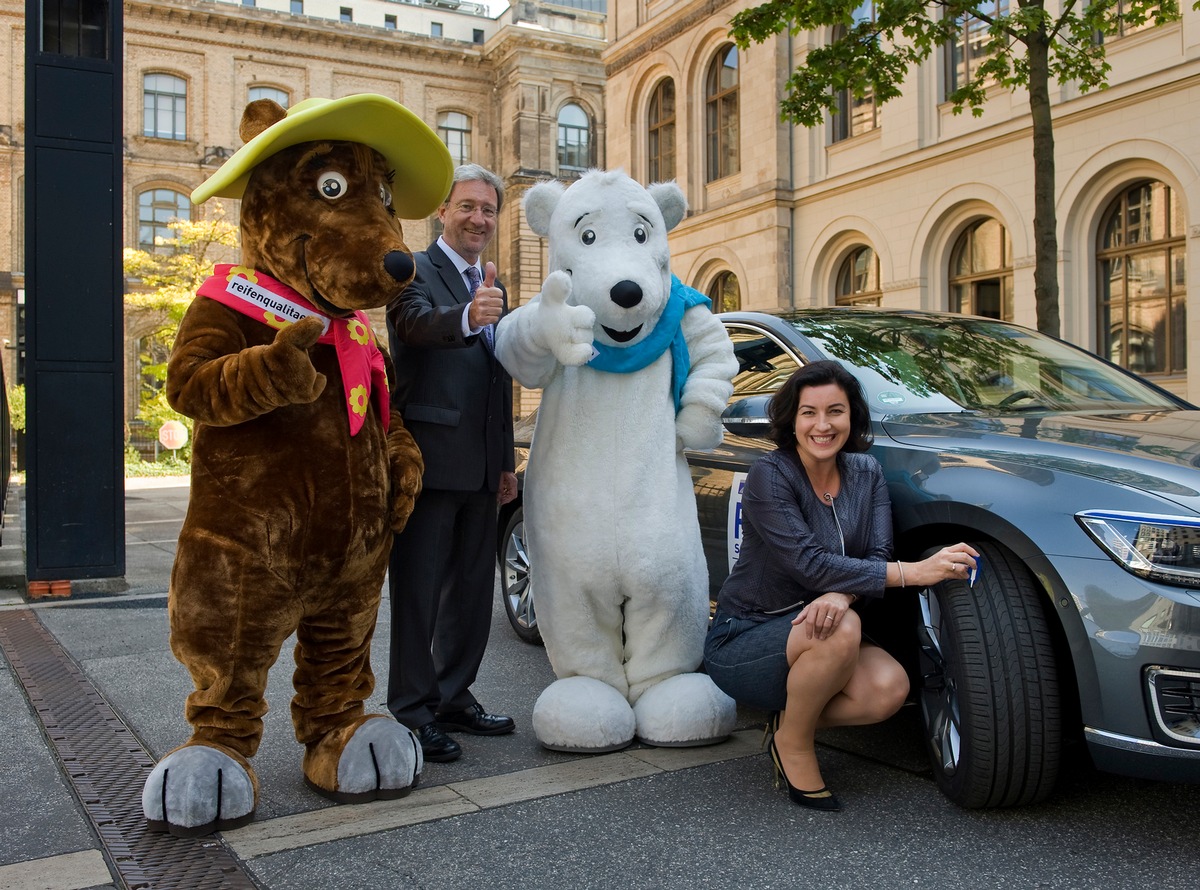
pixel 300 472
pixel 634 368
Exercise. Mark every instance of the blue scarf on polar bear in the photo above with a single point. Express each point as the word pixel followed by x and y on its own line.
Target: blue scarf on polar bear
pixel 667 334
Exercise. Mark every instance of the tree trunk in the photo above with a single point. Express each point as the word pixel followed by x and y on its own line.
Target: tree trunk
pixel 1045 224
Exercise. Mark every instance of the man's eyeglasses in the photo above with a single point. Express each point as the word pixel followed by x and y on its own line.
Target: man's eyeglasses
pixel 468 208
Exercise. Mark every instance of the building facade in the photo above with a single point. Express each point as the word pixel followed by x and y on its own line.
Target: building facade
pixel 520 93
pixel 907 204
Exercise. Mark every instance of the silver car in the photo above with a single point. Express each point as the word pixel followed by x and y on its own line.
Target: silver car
pixel 1078 482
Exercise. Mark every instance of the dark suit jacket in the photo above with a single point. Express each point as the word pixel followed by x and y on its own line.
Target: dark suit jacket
pixel 456 399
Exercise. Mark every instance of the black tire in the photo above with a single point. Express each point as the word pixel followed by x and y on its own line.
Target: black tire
pixel 515 587
pixel 989 691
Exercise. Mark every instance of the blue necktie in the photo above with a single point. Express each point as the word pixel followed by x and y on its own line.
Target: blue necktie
pixel 474 279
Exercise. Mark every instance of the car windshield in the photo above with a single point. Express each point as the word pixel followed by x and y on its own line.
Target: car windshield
pixel 936 364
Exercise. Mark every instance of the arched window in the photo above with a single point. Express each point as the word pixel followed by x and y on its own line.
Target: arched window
pixel 661 127
pixel 164 106
pixel 721 115
pixel 156 209
pixel 574 143
pixel 273 93
pixel 455 129
pixel 858 279
pixel 1143 281
pixel 981 280
pixel 855 115
pixel 725 293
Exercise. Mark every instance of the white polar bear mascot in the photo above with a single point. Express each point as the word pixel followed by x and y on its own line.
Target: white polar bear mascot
pixel 634 369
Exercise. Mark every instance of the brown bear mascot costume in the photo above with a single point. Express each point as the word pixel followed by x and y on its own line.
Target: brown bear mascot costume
pixel 300 473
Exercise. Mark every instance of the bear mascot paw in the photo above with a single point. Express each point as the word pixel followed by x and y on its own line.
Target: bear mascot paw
pixel 634 368
pixel 301 473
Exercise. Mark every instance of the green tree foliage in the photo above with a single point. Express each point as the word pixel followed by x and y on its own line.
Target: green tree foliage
pixel 161 287
pixel 1028 43
pixel 164 285
pixel 16 406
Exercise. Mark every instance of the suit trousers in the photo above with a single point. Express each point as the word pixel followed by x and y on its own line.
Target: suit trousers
pixel 441 579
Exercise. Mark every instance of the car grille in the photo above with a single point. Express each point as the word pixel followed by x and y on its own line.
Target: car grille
pixel 1175 697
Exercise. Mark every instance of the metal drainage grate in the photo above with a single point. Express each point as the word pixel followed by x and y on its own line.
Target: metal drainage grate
pixel 107 767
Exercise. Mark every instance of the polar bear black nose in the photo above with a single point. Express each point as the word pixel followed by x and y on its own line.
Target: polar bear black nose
pixel 399 265
pixel 626 294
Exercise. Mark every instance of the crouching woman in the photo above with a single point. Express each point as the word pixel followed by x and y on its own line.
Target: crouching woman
pixel 816 539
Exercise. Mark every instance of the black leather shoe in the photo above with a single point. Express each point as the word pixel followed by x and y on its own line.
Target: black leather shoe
pixel 436 745
pixel 476 721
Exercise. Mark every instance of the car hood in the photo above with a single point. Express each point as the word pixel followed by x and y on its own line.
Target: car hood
pixel 1156 451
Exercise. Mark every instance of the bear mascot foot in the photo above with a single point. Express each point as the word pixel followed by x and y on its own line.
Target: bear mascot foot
pixel 684 711
pixel 198 789
pixel 375 758
pixel 582 715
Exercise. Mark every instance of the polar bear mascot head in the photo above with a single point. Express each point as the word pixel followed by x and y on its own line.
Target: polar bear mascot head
pixel 616 230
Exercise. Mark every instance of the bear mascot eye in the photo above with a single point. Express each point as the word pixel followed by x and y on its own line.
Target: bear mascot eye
pixel 385 195
pixel 639 234
pixel 331 184
pixel 588 237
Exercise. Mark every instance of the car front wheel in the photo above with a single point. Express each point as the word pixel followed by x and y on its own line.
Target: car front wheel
pixel 514 580
pixel 989 691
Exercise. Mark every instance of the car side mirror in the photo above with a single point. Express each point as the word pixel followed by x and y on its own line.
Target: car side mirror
pixel 747 417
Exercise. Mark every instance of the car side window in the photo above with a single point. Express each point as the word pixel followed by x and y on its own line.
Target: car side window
pixel 763 363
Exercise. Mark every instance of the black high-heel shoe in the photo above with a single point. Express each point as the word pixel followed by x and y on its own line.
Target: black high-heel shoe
pixel 821 799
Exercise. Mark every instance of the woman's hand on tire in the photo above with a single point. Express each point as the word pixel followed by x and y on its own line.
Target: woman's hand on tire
pixel 954 561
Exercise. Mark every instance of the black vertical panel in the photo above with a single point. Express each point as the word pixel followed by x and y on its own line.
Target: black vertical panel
pixel 62 111
pixel 75 269
pixel 76 533
pixel 75 505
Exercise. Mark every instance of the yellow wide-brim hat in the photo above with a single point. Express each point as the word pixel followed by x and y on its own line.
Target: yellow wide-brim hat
pixel 422 165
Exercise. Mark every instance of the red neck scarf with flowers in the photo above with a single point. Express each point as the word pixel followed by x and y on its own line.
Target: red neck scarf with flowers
pixel 273 303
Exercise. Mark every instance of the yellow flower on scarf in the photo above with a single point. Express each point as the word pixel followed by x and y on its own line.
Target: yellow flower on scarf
pixel 243 272
pixel 359 400
pixel 359 332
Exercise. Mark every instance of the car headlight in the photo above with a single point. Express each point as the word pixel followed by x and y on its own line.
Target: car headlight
pixel 1158 548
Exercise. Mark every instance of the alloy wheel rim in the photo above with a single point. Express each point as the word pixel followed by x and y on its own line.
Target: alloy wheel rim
pixel 517 592
pixel 939 693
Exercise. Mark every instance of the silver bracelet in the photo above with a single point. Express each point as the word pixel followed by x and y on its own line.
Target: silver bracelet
pixel 900 569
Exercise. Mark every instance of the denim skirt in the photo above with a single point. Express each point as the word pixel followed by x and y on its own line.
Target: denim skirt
pixel 748 659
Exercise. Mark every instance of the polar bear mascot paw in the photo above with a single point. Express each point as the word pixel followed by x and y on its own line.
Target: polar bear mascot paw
pixel 694 429
pixel 583 715
pixel 562 329
pixel 684 711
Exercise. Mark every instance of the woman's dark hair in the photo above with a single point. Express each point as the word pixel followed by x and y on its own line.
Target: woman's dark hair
pixel 784 404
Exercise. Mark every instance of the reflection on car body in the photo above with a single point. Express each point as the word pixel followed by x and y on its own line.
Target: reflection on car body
pixel 1077 481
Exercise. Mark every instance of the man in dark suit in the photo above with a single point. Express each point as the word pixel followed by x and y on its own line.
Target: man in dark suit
pixel 456 400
